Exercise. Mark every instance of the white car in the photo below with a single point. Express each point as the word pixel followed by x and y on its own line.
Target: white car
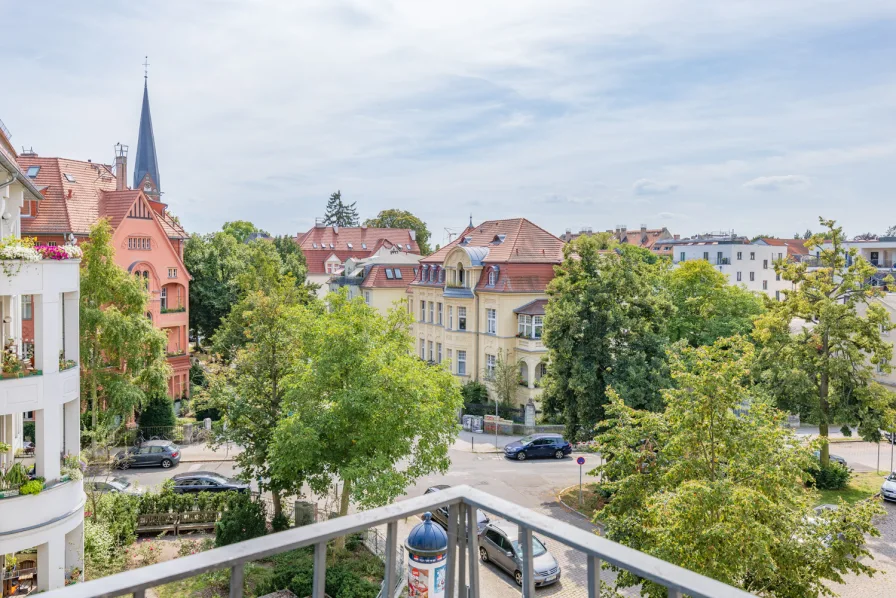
pixel 888 490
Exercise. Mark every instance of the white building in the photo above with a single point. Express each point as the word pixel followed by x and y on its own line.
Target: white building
pixel 52 521
pixel 880 253
pixel 747 264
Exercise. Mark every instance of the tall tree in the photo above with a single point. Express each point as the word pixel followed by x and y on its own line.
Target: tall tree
pixel 808 234
pixel 757 237
pixel 829 362
pixel 715 484
pixel 706 306
pixel 403 219
pixel 891 232
pixel 339 213
pixel 241 230
pixel 505 379
pixel 865 237
pixel 604 326
pixel 122 355
pixel 363 408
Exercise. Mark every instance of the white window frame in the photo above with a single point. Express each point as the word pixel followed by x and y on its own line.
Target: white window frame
pixel 491 320
pixel 432 310
pixel 450 317
pixel 439 312
pixel 524 326
pixel 490 362
pixel 422 310
pixel 422 349
pixel 367 297
pixel 432 355
pixel 537 327
pixel 438 352
pixel 461 318
pixel 461 362
pixel 172 272
pixel 163 299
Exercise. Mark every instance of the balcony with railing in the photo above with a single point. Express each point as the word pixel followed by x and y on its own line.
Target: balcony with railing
pixel 462 576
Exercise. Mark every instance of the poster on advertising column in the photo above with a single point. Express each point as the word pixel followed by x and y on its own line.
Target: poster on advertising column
pixel 426 580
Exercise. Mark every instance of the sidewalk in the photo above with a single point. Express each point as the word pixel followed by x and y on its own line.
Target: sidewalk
pixel 203 453
pixel 470 442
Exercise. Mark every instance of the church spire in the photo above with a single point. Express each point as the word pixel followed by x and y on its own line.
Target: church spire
pixel 146 162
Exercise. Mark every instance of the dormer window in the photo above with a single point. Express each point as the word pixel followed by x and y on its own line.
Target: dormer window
pixel 332 246
pixel 363 245
pixel 32 171
pixel 499 239
pixel 492 277
pixel 441 274
pixel 408 245
pixel 314 245
pixel 349 245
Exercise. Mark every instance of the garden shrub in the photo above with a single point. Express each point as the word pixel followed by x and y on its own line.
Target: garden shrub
pixel 102 556
pixel 833 477
pixel 118 512
pixel 31 487
pixel 344 583
pixel 244 520
pixel 28 430
pixel 474 392
pixel 157 413
pixel 280 522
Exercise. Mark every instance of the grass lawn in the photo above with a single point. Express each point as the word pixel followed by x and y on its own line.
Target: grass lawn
pixel 861 486
pixel 591 501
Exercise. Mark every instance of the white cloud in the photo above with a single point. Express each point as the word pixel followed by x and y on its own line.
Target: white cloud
pixel 649 187
pixel 778 182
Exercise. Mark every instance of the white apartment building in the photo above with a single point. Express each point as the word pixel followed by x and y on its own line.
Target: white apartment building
pixel 880 253
pixel 40 379
pixel 747 264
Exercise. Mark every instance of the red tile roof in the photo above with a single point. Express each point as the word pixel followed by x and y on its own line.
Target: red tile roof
pixel 524 242
pixel 518 278
pixel 376 277
pixel 533 308
pixel 794 246
pixel 365 241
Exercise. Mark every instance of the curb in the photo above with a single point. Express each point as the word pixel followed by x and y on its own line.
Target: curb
pixel 569 508
pixel 198 460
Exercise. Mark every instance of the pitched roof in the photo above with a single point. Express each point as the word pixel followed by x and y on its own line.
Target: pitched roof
pixel 794 246
pixel 146 162
pixel 644 237
pixel 516 240
pixel 533 308
pixel 518 278
pixel 364 241
pixel 376 277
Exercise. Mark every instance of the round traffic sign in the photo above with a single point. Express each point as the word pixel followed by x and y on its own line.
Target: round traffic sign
pixel 580 460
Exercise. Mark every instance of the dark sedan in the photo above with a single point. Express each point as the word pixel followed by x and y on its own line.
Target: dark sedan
pixel 538 445
pixel 440 515
pixel 152 453
pixel 205 481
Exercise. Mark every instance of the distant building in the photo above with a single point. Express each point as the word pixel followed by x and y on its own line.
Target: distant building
pixel 482 295
pixel 327 248
pixel 750 265
pixel 796 248
pixel 380 279
pixel 880 253
pixel 646 238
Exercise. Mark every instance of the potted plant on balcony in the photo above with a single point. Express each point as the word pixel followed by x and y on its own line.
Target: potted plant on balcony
pixel 13 367
pixel 12 479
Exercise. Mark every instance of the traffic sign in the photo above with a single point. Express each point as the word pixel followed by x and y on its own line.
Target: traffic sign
pixel 580 460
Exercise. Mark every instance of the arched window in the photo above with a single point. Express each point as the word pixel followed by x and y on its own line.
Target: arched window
pixel 460 274
pixel 492 277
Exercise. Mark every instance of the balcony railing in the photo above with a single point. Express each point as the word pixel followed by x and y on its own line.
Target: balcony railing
pixel 462 561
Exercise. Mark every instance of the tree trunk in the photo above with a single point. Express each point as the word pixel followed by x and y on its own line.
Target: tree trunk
pixel 275 499
pixel 343 509
pixel 823 406
pixel 93 399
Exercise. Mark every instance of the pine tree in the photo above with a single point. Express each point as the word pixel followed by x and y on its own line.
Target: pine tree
pixel 339 213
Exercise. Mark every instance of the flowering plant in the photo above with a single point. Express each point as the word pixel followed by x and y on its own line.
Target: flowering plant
pixel 12 248
pixel 63 252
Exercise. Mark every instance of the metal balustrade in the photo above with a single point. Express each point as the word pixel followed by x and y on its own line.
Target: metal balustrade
pixel 462 561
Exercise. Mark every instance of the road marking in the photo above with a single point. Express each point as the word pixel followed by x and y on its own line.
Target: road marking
pixel 194 467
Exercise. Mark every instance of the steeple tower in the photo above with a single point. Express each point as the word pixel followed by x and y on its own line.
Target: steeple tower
pixel 146 166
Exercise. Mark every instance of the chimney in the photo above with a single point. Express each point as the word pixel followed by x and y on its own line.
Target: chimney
pixel 121 167
pixel 643 228
pixel 676 237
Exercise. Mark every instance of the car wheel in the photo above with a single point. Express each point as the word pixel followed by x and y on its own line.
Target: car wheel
pixel 518 578
pixel 483 554
pixel 558 454
pixel 166 463
pixel 521 456
pixel 123 465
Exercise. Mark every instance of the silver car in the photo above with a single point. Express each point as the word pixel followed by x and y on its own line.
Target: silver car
pixel 499 544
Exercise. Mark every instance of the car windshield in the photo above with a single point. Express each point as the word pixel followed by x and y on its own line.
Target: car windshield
pixel 120 483
pixel 892 477
pixel 538 548
pixel 221 479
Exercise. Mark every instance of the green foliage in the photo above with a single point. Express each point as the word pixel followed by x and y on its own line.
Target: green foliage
pixel 118 513
pixel 243 521
pixel 403 219
pixel 339 213
pixel 241 230
pixel 605 326
pixel 833 476
pixel 14 476
pixel 122 355
pixel 347 573
pixel 362 407
pixel 474 392
pixel 280 522
pixel 32 487
pixel 707 308
pixel 715 484
pixel 102 554
pixel 28 430
pixel 157 413
pixel 504 380
pixel 825 371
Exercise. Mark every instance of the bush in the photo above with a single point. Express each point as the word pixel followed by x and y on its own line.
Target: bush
pixel 280 522
pixel 28 430
pixel 158 413
pixel 102 556
pixel 246 519
pixel 118 513
pixel 833 477
pixel 32 487
pixel 474 392
pixel 343 583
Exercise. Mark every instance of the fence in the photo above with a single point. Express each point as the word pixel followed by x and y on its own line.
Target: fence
pixel 181 434
pixel 515 414
pixel 375 541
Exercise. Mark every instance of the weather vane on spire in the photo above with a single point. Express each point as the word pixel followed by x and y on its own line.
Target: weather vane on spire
pixel 145 67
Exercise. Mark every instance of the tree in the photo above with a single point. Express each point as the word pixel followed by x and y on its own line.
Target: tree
pixel 604 326
pixel 715 484
pixel 403 219
pixel 706 306
pixel 292 258
pixel 891 232
pixel 122 355
pixel 865 237
pixel 828 364
pixel 807 234
pixel 339 213
pixel 157 413
pixel 504 380
pixel 797 236
pixel 241 230
pixel 250 392
pixel 757 237
pixel 363 408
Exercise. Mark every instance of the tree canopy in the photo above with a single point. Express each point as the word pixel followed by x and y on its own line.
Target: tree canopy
pixel 715 484
pixel 403 219
pixel 604 326
pixel 339 213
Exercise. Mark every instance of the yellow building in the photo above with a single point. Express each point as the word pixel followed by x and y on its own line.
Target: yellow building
pixel 380 279
pixel 483 295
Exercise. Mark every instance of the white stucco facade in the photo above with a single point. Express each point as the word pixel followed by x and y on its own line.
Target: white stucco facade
pixel 52 522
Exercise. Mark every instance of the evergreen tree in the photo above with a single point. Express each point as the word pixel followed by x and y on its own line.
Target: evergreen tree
pixel 156 414
pixel 339 213
pixel 891 232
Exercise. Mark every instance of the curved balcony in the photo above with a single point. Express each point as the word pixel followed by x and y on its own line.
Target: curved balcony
pixel 34 392
pixel 39 278
pixel 29 513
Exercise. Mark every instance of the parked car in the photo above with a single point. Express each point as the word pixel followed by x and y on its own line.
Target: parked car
pixel 158 453
pixel 538 445
pixel 440 515
pixel 888 490
pixel 206 481
pixel 834 458
pixel 111 485
pixel 499 545
pixel 890 437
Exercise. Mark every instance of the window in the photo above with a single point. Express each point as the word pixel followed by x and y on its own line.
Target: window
pixel 777 295
pixel 461 318
pixel 314 245
pixel 438 352
pixel 492 277
pixel 350 246
pixel 398 273
pixel 739 277
pixel 449 354
pixel 422 310
pixel 432 356
pixel 524 326
pixel 777 276
pixel 765 264
pixel 462 363
pixel 752 255
pixel 490 362
pixel 32 171
pixel 439 311
pixel 363 245
pixel 141 243
pixel 172 272
pixel 367 297
pixel 407 246
pixel 537 325
pixel 541 370
pixel 27 307
pixel 882 366
pixel 164 300
pixel 432 274
pixel 884 330
pixel 681 259
pixel 422 349
pixel 460 274
pixel 491 319
pixel 442 275
pixel 450 318
pixel 52 244
pixel 706 255
pixel 780 256
pixel 431 312
pixel 764 285
pixel 69 178
pixel 389 275
pixel 752 276
pixel 740 255
pixel 332 246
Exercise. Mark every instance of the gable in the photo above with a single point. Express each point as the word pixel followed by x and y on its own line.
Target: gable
pixel 142 237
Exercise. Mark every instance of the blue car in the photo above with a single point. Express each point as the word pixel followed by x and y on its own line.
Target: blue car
pixel 538 445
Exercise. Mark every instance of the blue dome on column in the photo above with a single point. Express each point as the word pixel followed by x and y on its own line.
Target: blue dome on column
pixel 427 536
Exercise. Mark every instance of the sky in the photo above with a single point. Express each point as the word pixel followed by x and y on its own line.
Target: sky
pixel 748 115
